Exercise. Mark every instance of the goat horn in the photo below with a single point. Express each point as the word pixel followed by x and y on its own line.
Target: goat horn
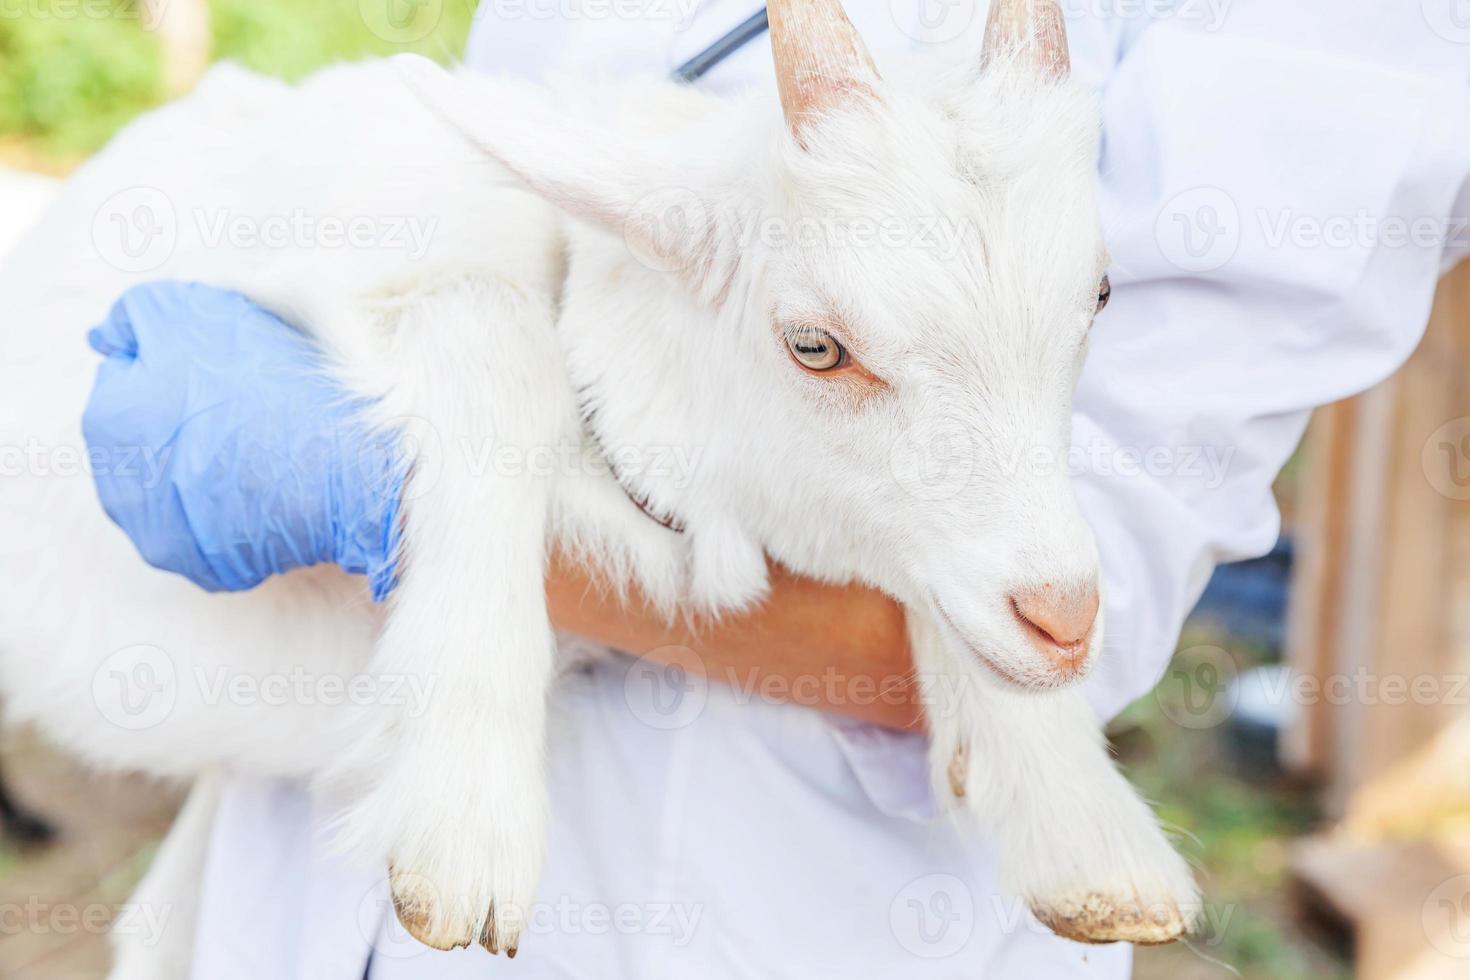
pixel 1033 30
pixel 820 60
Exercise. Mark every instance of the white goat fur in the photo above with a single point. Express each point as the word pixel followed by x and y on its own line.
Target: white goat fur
pixel 515 321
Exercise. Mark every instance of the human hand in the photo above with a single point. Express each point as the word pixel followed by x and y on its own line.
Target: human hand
pixel 262 464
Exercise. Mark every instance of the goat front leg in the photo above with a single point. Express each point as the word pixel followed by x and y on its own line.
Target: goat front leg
pixel 457 803
pixel 1075 840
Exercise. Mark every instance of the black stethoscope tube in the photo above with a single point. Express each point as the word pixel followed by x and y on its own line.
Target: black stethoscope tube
pixel 748 30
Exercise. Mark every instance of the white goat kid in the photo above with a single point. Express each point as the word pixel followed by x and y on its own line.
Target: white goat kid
pixel 798 367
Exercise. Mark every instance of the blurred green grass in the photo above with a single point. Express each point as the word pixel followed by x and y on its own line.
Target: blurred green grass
pixel 73 73
pixel 1235 825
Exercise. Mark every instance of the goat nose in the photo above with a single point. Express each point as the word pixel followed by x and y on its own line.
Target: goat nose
pixel 1058 620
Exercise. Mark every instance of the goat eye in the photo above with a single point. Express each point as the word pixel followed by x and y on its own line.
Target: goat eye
pixel 1104 293
pixel 816 350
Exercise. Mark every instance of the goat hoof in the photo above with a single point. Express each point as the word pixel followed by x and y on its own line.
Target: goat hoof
pixel 1096 918
pixel 427 918
pixel 416 902
pixel 496 937
pixel 1110 877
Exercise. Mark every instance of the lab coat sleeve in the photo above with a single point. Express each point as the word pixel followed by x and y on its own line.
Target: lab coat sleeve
pixel 1276 192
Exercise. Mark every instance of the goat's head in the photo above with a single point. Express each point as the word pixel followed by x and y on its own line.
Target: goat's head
pixel 867 314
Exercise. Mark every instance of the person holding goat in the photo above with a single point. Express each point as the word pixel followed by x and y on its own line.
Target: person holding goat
pixel 685 810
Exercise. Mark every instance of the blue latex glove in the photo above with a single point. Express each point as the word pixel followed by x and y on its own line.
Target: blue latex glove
pixel 254 463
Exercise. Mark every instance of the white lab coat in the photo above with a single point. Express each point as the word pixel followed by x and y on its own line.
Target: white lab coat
pixel 1258 156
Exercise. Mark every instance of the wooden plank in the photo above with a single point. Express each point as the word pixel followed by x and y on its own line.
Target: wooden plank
pixel 1360 606
pixel 1381 591
pixel 1314 614
pixel 1388 895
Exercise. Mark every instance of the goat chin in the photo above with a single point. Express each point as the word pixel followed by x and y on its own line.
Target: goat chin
pixel 460 349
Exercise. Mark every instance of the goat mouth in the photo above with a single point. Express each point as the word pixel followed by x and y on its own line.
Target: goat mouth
pixel 978 652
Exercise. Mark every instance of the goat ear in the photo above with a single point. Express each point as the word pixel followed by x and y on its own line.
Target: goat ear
pixel 587 173
pixel 1034 31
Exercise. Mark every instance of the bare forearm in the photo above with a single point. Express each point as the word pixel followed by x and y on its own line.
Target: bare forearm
pixel 840 648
